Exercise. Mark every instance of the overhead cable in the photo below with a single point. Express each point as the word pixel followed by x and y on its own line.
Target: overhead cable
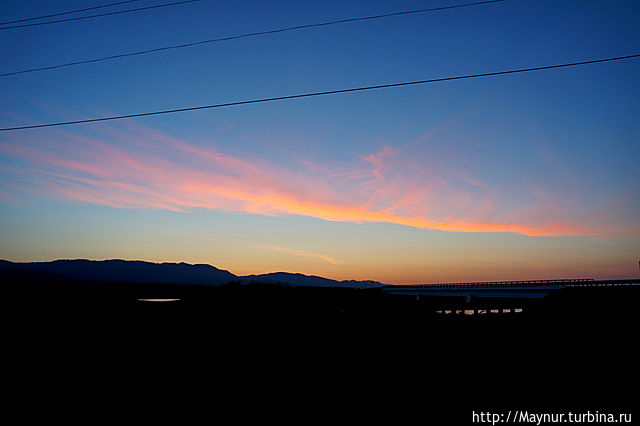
pixel 253 34
pixel 67 12
pixel 99 15
pixel 329 92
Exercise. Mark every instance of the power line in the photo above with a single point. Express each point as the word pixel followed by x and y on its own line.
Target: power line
pixel 254 34
pixel 99 15
pixel 329 92
pixel 67 12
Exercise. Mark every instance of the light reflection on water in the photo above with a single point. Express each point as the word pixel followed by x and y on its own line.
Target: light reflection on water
pixel 158 300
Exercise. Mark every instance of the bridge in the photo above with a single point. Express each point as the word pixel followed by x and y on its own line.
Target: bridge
pixel 496 296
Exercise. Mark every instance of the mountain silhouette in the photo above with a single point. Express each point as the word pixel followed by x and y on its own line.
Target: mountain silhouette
pixel 127 271
pixel 296 279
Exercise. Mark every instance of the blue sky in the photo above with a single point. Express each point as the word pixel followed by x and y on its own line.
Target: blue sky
pixel 524 176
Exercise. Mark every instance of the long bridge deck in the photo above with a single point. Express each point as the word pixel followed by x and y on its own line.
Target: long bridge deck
pixel 511 289
pixel 491 297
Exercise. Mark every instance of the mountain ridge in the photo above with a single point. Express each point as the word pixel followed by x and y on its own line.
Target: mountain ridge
pixel 138 271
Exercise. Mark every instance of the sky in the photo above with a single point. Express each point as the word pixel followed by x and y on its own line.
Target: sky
pixel 526 176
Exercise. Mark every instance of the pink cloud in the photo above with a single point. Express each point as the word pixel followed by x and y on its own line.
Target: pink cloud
pixel 143 168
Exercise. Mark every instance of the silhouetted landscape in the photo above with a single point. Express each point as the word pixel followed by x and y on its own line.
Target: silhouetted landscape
pixel 134 288
pixel 133 285
pixel 553 350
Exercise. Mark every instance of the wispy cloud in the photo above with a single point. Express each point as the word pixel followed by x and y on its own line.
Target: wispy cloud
pixel 138 167
pixel 266 247
pixel 294 252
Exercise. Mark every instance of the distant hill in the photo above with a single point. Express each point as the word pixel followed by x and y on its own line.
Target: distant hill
pixel 127 271
pixel 306 280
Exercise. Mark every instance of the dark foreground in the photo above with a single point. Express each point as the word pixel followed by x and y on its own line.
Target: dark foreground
pixel 319 355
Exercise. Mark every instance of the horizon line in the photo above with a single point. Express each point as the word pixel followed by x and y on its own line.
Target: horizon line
pixel 423 283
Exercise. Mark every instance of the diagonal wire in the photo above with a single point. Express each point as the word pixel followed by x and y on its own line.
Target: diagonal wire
pixel 67 12
pixel 99 15
pixel 329 92
pixel 254 34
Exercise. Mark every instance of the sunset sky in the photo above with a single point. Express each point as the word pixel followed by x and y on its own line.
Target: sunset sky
pixel 527 176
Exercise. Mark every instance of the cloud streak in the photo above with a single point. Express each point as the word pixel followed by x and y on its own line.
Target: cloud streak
pixel 138 167
pixel 294 252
